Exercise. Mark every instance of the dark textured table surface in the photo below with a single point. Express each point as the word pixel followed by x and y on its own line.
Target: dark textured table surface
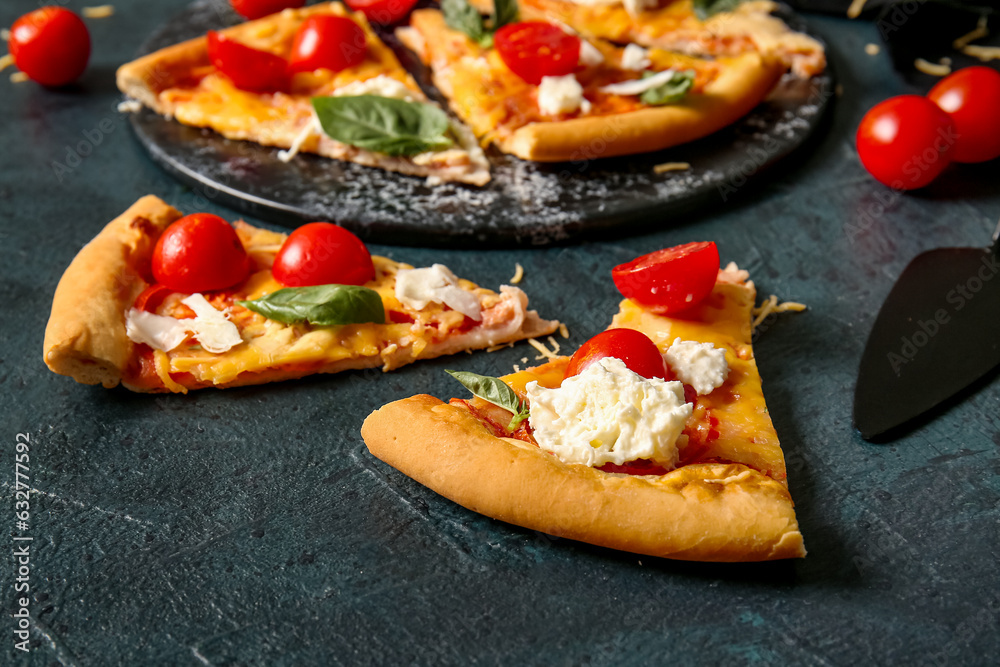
pixel 250 526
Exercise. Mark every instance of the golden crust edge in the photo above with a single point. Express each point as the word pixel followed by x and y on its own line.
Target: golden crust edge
pixel 704 512
pixel 742 85
pixel 85 334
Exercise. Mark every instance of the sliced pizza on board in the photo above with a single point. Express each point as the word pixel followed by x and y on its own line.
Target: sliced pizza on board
pixel 695 27
pixel 541 93
pixel 316 80
pixel 653 438
pixel 162 302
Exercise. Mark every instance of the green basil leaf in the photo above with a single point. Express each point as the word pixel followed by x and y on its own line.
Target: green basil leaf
pixel 504 12
pixel 460 15
pixel 323 305
pixel 705 9
pixel 671 91
pixel 383 124
pixel 495 391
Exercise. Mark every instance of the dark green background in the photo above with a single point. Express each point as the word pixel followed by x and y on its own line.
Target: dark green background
pixel 250 526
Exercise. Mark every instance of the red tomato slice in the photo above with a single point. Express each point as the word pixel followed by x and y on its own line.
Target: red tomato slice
pixel 51 45
pixel 670 280
pixel 255 9
pixel 248 68
pixel 322 253
pixel 637 467
pixel 905 141
pixel 327 42
pixel 152 297
pixel 971 97
pixel 534 49
pixel 634 348
pixel 382 12
pixel 199 253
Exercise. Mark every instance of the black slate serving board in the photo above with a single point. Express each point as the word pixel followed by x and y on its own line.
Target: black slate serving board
pixel 525 204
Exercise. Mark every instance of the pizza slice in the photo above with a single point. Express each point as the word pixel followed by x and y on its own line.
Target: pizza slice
pixel 653 438
pixel 695 27
pixel 162 302
pixel 540 93
pixel 315 80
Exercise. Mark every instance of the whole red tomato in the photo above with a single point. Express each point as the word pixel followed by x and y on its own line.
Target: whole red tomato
pixel 670 280
pixel 51 45
pixel 383 12
pixel 255 9
pixel 535 49
pixel 322 253
pixel 327 42
pixel 248 68
pixel 905 141
pixel 971 97
pixel 634 348
pixel 199 253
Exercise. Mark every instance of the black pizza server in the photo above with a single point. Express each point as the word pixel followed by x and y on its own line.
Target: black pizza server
pixel 937 332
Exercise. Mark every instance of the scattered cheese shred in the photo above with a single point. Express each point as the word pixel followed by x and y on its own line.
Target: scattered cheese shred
pixel 969 37
pixel 494 348
pixel 984 53
pixel 99 12
pixel 518 274
pixel 5 34
pixel 554 344
pixel 671 166
pixel 129 106
pixel 563 331
pixel 857 6
pixel 517 369
pixel 6 61
pixel 772 307
pixel 872 49
pixel 545 353
pixel 313 126
pixel 18 77
pixel 934 69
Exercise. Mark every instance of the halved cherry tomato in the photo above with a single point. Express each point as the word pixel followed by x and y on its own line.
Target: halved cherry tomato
pixel 248 68
pixel 328 42
pixel 199 253
pixel 51 45
pixel 971 97
pixel 670 280
pixel 634 348
pixel 904 141
pixel 152 297
pixel 383 12
pixel 534 49
pixel 255 9
pixel 322 253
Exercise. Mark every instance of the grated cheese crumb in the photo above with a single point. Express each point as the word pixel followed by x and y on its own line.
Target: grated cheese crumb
pixel 494 348
pixel 6 61
pixel 984 53
pixel 554 344
pixel 872 49
pixel 518 274
pixel 857 6
pixel 517 369
pixel 5 34
pixel 18 77
pixel 671 166
pixel 980 31
pixel 934 69
pixel 545 353
pixel 771 307
pixel 563 331
pixel 129 106
pixel 99 12
pixel 524 360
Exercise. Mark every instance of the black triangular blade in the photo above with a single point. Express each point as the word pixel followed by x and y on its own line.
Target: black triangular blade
pixel 937 332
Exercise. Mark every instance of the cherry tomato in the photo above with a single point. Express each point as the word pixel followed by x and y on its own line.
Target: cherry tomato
pixel 328 42
pixel 904 142
pixel 321 253
pixel 199 253
pixel 670 280
pixel 255 9
pixel 152 297
pixel 51 45
pixel 971 97
pixel 533 49
pixel 383 12
pixel 635 348
pixel 248 68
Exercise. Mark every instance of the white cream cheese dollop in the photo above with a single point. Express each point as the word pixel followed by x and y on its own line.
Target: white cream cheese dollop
pixel 210 327
pixel 380 86
pixel 634 57
pixel 561 94
pixel 609 414
pixel 415 288
pixel 590 55
pixel 701 365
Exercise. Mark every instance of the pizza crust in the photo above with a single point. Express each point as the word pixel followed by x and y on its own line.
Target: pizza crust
pixel 85 336
pixel 741 86
pixel 703 512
